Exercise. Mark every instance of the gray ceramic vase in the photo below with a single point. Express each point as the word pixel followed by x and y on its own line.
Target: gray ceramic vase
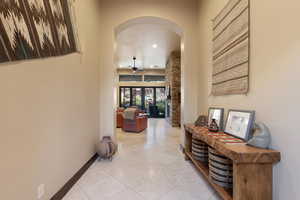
pixel 261 137
pixel 106 148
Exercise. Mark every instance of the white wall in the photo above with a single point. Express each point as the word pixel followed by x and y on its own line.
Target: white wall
pixel 114 13
pixel 49 115
pixel 274 80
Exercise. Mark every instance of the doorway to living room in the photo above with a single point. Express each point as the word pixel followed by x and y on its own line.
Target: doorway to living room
pixel 148 59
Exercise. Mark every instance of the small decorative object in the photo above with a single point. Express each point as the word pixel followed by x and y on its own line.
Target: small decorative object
pixel 220 169
pixel 239 123
pixel 213 127
pixel 201 121
pixel 261 137
pixel 218 115
pixel 106 148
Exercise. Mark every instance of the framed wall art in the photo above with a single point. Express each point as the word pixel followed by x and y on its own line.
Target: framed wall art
pixel 240 123
pixel 217 114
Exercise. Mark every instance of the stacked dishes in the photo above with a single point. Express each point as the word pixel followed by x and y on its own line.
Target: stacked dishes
pixel 220 169
pixel 200 150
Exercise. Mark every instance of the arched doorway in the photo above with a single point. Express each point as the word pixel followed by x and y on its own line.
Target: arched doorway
pixel 108 85
pixel 150 20
pixel 160 23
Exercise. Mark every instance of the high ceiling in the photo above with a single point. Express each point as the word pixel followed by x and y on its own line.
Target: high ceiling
pixel 151 44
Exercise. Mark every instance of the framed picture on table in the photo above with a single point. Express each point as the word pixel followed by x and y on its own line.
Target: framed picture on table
pixel 240 123
pixel 217 114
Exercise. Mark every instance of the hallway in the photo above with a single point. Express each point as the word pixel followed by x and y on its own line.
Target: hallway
pixel 148 166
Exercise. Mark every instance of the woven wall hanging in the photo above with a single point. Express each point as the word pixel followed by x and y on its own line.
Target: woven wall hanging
pixel 35 29
pixel 231 44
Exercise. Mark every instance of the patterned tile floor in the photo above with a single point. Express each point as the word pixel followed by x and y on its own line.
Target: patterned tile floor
pixel 148 166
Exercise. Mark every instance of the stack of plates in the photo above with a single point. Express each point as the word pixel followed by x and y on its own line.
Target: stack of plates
pixel 220 169
pixel 200 150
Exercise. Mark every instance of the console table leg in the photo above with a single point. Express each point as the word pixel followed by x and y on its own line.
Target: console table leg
pixel 188 141
pixel 186 158
pixel 252 181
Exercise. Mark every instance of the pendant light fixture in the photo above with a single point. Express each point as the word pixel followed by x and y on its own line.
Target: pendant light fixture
pixel 134 68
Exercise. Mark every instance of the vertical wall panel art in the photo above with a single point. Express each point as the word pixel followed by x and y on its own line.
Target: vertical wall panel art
pixel 231 49
pixel 35 29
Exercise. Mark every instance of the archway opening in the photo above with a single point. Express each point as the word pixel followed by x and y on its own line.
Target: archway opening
pixel 136 38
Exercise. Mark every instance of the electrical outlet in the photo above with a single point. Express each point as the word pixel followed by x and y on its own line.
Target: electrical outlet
pixel 40 191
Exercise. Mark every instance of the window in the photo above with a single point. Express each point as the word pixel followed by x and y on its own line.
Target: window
pixel 149 99
pixel 160 100
pixel 125 97
pixel 126 78
pixel 154 78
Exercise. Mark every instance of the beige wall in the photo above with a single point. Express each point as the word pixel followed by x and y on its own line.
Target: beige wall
pixel 274 80
pixel 49 115
pixel 114 13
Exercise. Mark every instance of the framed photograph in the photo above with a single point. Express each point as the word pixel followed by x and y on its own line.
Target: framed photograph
pixel 239 123
pixel 217 114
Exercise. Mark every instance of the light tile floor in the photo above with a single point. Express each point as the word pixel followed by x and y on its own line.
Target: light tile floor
pixel 148 166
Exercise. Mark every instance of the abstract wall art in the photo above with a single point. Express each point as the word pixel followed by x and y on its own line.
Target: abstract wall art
pixel 35 29
pixel 231 49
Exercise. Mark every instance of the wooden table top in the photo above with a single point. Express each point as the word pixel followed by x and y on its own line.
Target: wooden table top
pixel 237 152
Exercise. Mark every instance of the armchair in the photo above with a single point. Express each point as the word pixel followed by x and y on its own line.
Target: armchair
pixel 134 120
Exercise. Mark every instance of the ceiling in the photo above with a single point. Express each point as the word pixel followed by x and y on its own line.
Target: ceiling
pixel 151 44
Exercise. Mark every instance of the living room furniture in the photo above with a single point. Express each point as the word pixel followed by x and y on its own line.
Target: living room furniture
pixel 120 117
pixel 252 167
pixel 137 124
pixel 153 111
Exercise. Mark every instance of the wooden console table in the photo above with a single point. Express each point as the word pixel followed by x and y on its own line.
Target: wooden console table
pixel 252 167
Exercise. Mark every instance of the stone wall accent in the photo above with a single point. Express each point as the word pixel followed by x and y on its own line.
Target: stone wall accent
pixel 173 80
